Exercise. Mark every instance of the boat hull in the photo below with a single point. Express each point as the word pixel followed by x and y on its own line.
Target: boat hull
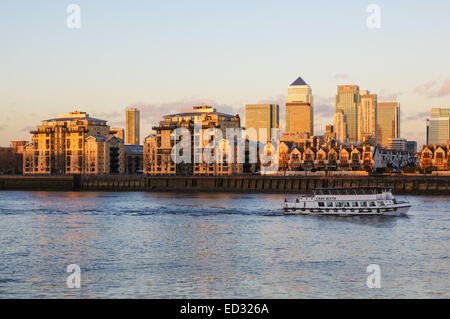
pixel 394 210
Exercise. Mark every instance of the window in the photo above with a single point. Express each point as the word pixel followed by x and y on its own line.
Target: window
pixel 321 204
pixel 372 204
pixel 363 204
pixel 381 203
pixel 346 204
pixel 329 204
pixel 354 204
pixel 338 204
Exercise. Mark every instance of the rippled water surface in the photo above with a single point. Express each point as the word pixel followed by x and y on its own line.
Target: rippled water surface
pixel 168 245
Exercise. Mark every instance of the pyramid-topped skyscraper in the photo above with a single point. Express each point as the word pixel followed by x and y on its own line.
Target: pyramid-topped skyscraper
pixel 299 108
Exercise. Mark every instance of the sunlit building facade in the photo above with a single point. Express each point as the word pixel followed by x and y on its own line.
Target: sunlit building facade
pixel 132 126
pixel 158 148
pixel 299 108
pixel 438 129
pixel 118 132
pixel 263 117
pixel 340 126
pixel 59 145
pixel 347 101
pixel 388 122
pixel 367 117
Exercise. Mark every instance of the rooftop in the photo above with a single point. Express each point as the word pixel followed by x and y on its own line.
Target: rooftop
pixel 299 81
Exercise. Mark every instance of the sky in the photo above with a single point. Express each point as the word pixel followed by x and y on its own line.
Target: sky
pixel 166 56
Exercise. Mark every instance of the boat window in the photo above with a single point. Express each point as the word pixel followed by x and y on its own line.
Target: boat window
pixel 346 204
pixel 329 204
pixel 321 204
pixel 354 204
pixel 338 204
pixel 372 204
pixel 363 204
pixel 381 203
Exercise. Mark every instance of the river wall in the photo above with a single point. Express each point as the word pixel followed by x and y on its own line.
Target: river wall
pixel 410 184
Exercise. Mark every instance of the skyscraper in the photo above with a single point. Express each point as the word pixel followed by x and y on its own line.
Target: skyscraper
pixel 367 117
pixel 340 126
pixel 299 108
pixel 262 116
pixel 388 122
pixel 347 101
pixel 132 126
pixel 439 126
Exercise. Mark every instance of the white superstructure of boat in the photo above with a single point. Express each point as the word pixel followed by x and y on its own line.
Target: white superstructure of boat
pixel 351 201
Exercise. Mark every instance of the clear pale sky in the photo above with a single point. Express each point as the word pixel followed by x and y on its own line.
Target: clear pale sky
pixel 167 55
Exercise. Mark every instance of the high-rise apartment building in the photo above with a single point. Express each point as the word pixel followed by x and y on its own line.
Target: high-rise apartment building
pixel 347 101
pixel 340 126
pixel 63 146
pixel 299 108
pixel 438 126
pixel 157 150
pixel 263 117
pixel 367 117
pixel 388 122
pixel 132 126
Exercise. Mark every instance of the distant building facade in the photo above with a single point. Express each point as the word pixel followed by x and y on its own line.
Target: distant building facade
pixel 397 144
pixel 438 126
pixel 262 117
pixel 299 108
pixel 118 132
pixel 335 157
pixel 340 126
pixel 134 159
pixel 367 117
pixel 388 122
pixel 347 102
pixel 411 146
pixel 103 155
pixel 435 156
pixel 132 126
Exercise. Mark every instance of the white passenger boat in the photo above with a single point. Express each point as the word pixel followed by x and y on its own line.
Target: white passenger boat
pixel 352 201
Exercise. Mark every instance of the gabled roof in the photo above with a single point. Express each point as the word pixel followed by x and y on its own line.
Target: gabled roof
pixel 290 145
pixel 299 81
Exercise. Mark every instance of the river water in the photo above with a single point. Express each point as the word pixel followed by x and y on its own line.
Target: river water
pixel 210 245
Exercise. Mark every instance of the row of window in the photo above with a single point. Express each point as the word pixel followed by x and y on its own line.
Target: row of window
pixel 349 204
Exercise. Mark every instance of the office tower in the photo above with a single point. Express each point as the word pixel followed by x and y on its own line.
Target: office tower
pixel 340 126
pixel 367 117
pixel 262 116
pixel 397 144
pixel 411 146
pixel 299 108
pixel 329 129
pixel 347 101
pixel 329 133
pixel 132 126
pixel 388 122
pixel 118 132
pixel 440 112
pixel 438 126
